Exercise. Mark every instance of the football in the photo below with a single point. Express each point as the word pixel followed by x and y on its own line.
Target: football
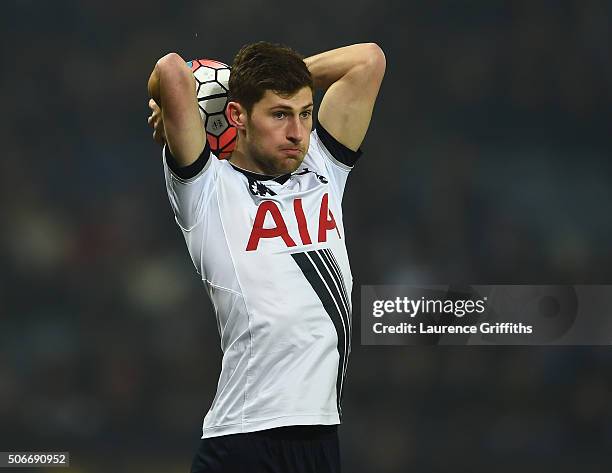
pixel 212 78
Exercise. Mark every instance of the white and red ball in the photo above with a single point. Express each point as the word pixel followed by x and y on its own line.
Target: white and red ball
pixel 212 78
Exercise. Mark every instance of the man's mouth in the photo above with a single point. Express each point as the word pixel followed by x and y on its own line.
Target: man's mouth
pixel 292 151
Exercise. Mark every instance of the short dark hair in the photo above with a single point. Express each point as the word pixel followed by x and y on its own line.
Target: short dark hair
pixel 265 66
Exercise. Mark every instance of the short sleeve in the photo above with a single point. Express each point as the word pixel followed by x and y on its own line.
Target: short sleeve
pixel 189 188
pixel 337 159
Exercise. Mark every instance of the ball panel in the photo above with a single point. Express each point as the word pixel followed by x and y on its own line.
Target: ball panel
pixel 216 105
pixel 211 89
pixel 216 124
pixel 212 63
pixel 204 74
pixel 223 77
pixel 213 142
pixel 227 138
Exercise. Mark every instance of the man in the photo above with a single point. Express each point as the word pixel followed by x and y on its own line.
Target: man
pixel 265 232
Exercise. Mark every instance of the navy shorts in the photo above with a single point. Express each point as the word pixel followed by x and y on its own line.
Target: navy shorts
pixel 294 449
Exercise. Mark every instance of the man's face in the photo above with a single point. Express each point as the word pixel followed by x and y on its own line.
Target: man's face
pixel 278 131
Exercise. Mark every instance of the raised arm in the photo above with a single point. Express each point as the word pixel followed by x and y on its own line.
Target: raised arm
pixel 352 76
pixel 172 87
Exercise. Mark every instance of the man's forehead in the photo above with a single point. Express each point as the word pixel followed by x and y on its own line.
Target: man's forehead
pixel 301 99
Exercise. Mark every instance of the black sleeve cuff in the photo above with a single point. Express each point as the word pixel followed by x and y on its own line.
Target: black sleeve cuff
pixel 187 172
pixel 340 152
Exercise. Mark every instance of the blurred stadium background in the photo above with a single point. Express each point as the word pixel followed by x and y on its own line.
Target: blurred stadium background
pixel 488 161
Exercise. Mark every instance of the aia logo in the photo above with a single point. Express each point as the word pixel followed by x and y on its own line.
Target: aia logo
pixel 327 222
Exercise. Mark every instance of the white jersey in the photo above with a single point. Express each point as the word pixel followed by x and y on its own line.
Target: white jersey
pixel 271 253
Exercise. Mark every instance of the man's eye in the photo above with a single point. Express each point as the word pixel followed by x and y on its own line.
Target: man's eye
pixel 279 115
pixel 306 113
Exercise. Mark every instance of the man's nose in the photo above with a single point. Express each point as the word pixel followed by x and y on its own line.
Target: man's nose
pixel 295 134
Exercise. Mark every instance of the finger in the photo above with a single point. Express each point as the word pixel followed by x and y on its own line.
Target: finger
pixel 154 106
pixel 159 137
pixel 156 137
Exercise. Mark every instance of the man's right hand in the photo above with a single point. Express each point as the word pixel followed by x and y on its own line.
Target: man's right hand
pixel 156 122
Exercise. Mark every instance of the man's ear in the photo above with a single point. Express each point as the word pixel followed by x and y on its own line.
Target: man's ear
pixel 236 114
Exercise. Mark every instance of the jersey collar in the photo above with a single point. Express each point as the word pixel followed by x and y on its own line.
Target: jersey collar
pixel 262 177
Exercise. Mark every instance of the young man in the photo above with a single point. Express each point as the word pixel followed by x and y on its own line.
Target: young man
pixel 264 230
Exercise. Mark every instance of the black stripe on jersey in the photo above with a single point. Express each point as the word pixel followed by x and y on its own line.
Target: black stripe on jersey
pixel 187 172
pixel 335 268
pixel 340 152
pixel 336 291
pixel 335 285
pixel 332 307
pixel 328 255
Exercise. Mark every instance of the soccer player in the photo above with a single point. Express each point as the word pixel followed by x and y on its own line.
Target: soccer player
pixel 264 230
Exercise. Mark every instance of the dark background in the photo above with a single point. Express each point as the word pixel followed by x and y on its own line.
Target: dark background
pixel 487 161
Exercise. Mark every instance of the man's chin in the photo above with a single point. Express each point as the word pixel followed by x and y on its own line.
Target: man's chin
pixel 279 165
pixel 289 164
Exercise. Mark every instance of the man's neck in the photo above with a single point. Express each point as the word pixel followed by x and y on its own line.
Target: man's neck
pixel 239 159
